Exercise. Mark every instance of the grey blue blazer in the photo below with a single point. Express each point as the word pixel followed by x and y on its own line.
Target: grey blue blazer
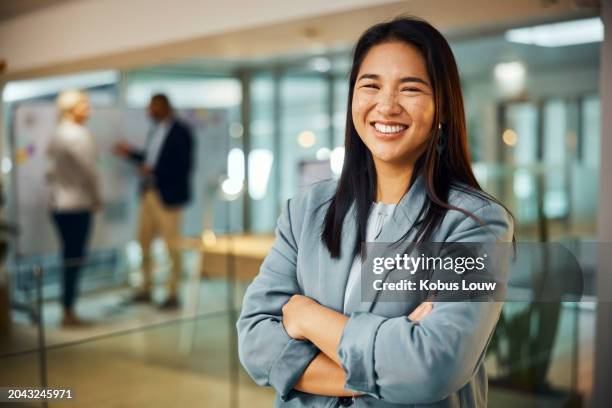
pixel 392 360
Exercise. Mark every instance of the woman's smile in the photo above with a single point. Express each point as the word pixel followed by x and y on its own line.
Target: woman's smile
pixel 388 131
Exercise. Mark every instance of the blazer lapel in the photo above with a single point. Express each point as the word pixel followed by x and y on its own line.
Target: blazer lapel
pixel 333 279
pixel 405 213
pixel 401 221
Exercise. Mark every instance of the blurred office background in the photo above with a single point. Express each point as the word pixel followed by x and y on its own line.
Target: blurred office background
pixel 264 85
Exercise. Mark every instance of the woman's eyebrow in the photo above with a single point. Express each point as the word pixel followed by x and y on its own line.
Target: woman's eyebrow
pixel 403 80
pixel 413 79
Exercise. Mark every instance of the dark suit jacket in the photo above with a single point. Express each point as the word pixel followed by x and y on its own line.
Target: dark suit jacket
pixel 172 172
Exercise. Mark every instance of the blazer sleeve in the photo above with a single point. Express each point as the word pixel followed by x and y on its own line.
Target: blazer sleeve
pixel 404 362
pixel 267 352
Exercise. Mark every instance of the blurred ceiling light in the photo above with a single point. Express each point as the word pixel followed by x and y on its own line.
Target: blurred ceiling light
pixel 234 183
pixel 523 185
pixel 509 137
pixel 336 160
pixel 555 204
pixel 231 188
pixel 574 32
pixel 510 77
pixel 236 130
pixel 320 64
pixel 323 153
pixel 260 164
pixel 307 139
pixel 7 165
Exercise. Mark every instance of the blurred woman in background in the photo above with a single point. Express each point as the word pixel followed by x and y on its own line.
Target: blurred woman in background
pixel 75 192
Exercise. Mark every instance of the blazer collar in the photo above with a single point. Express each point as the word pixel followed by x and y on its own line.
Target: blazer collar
pixel 334 280
pixel 406 212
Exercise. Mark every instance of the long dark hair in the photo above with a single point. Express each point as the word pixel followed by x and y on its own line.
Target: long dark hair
pixel 441 171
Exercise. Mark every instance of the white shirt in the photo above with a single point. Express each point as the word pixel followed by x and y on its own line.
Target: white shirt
pixel 71 172
pixel 379 215
pixel 158 137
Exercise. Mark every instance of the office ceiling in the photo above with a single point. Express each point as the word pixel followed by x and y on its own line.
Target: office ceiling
pixel 475 56
pixel 478 47
pixel 475 27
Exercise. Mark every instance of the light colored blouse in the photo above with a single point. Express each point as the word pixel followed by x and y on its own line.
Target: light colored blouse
pixel 71 172
pixel 379 215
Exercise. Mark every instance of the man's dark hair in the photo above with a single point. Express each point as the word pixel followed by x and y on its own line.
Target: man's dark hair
pixel 163 98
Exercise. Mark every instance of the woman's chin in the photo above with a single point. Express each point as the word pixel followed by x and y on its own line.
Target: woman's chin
pixel 391 158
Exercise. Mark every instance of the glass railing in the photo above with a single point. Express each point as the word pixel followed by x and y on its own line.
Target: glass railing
pixel 134 355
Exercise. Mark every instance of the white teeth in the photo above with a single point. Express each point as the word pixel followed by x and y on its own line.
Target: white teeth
pixel 389 129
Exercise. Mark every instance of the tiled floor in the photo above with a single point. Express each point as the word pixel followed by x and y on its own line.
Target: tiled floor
pixel 138 356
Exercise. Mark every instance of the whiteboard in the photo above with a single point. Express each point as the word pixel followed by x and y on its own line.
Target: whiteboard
pixel 115 225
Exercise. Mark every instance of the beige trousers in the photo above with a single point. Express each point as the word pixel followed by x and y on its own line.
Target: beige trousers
pixel 155 218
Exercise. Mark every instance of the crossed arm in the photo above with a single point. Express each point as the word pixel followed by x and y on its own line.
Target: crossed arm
pixel 305 319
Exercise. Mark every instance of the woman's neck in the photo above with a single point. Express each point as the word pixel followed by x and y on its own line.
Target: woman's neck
pixel 392 182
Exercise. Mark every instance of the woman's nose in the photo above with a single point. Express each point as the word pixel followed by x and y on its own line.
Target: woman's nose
pixel 388 104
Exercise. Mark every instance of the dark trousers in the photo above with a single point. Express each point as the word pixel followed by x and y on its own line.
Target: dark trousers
pixel 73 228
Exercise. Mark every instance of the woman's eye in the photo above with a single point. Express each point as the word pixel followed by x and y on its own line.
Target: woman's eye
pixel 411 90
pixel 372 86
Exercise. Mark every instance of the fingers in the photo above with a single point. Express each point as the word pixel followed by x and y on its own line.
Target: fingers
pixel 421 311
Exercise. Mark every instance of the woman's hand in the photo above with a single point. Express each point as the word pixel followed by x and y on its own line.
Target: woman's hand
pixel 295 311
pixel 421 311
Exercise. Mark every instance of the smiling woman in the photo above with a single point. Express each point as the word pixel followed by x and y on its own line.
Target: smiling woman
pixel 407 177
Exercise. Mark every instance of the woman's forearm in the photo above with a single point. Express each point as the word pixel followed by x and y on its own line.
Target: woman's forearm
pixel 323 377
pixel 305 319
pixel 324 327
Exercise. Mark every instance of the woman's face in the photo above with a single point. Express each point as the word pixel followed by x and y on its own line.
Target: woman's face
pixel 81 110
pixel 393 104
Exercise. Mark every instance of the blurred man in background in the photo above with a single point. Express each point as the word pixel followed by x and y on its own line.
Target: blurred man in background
pixel 165 166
